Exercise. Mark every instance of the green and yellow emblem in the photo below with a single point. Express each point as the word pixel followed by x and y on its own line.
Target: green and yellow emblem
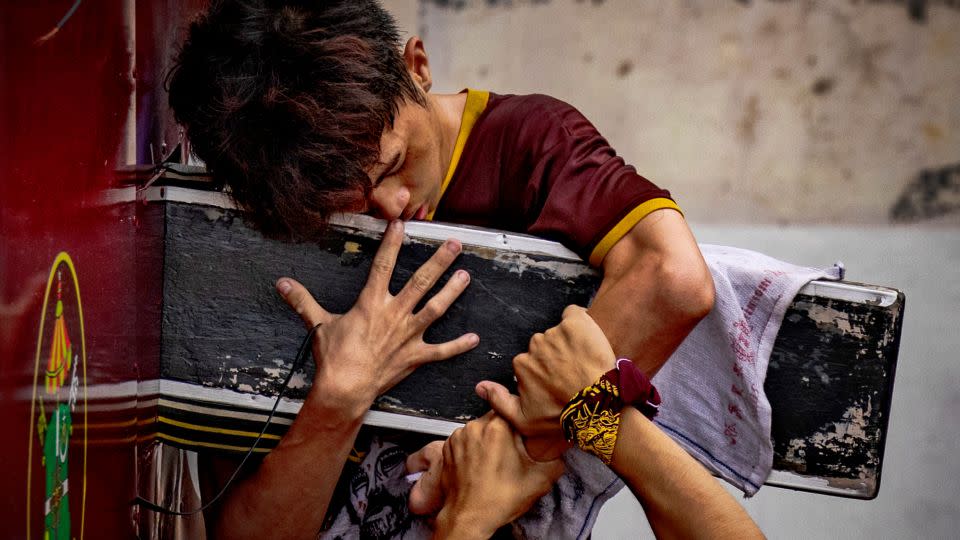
pixel 59 397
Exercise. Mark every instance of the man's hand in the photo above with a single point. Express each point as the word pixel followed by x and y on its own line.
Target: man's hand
pixel 559 363
pixel 488 480
pixel 364 352
pixel 359 355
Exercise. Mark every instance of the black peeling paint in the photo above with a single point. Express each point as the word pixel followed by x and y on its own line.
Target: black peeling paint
pixel 832 360
pixel 933 193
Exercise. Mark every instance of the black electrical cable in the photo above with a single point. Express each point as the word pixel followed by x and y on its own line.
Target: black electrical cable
pixel 59 25
pixel 297 364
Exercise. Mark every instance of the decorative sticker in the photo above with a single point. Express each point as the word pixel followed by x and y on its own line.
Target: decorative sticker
pixel 59 403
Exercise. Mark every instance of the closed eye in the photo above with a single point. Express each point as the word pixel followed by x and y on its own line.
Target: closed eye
pixel 391 169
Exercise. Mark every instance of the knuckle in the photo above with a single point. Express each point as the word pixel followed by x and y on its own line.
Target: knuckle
pixel 297 302
pixel 432 309
pixel 301 305
pixel 421 282
pixel 455 437
pixel 520 362
pixel 380 265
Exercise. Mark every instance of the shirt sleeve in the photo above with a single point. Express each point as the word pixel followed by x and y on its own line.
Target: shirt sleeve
pixel 581 192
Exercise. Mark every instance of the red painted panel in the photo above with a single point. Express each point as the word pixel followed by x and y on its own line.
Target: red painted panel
pixel 64 103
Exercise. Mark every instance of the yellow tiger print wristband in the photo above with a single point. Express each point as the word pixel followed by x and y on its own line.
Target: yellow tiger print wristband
pixel 591 419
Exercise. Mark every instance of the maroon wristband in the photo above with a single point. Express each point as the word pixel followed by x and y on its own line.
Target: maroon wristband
pixel 635 388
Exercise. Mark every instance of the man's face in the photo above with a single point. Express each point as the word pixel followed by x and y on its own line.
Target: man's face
pixel 412 165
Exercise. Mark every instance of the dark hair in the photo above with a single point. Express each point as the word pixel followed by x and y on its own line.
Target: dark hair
pixel 286 101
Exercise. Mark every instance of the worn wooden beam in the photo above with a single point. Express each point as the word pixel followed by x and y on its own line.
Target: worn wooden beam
pixel 228 340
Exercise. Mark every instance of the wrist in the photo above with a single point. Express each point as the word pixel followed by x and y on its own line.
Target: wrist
pixel 460 525
pixel 591 419
pixel 334 406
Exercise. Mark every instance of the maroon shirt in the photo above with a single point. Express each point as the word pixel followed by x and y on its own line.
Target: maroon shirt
pixel 534 164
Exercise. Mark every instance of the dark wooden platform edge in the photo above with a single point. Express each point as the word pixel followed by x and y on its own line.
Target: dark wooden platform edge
pixel 829 383
pixel 842 457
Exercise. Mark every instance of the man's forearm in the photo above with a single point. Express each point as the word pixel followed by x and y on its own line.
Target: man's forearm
pixel 288 495
pixel 656 288
pixel 681 499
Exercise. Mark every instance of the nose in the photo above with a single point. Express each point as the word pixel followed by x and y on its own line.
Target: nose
pixel 389 200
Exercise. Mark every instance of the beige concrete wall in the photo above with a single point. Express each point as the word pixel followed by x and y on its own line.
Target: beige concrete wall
pixel 760 112
pixel 407 15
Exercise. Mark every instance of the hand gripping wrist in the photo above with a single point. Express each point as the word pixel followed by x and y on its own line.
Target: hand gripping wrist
pixel 591 419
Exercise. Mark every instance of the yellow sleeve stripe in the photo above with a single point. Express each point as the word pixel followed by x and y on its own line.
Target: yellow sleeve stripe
pixel 623 227
pixel 476 103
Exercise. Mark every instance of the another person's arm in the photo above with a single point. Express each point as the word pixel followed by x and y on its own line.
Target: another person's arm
pixel 679 496
pixel 359 355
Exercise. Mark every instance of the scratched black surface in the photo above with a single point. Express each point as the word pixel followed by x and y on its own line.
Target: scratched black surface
pixel 823 376
pixel 224 326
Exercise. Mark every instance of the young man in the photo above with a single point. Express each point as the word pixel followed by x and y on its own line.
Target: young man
pixel 310 108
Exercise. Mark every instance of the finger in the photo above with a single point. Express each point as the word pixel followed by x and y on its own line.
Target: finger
pixel 300 300
pixel 441 302
pixel 550 468
pixel 449 349
pixel 383 262
pixel 423 458
pixel 503 402
pixel 572 310
pixel 536 341
pixel 490 417
pixel 426 496
pixel 496 429
pixel 427 275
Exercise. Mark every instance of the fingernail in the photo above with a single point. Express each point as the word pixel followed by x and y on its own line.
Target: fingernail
pixel 396 224
pixel 462 275
pixel 453 245
pixel 474 339
pixel 481 391
pixel 283 286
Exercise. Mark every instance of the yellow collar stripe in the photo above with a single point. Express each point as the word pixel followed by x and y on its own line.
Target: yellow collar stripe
pixel 476 103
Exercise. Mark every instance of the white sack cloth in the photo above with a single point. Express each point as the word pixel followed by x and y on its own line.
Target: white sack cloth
pixel 712 387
